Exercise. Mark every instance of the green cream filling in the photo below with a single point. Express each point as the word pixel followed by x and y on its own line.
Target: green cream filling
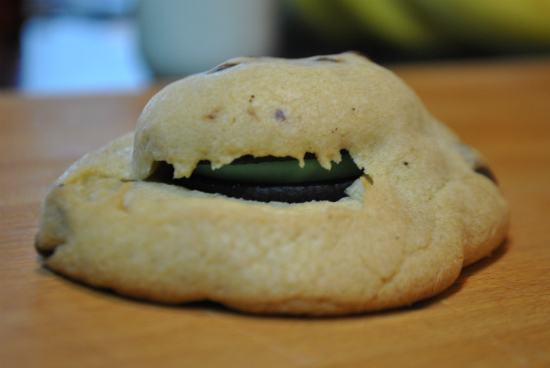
pixel 281 172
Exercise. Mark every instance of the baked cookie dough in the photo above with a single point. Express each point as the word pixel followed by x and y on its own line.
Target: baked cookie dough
pixel 420 205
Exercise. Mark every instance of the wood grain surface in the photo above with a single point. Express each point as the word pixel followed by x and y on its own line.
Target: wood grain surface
pixel 497 314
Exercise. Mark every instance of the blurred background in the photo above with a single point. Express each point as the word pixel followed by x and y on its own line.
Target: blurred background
pixel 65 47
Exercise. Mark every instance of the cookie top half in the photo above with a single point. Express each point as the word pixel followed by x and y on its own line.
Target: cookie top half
pixel 283 107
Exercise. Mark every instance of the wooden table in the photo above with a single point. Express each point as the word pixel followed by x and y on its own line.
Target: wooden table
pixel 496 314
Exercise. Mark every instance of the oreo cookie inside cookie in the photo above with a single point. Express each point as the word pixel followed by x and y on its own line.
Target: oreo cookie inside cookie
pixel 319 191
pixel 267 179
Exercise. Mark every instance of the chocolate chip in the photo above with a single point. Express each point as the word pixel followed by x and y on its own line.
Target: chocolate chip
pixel 485 171
pixel 325 58
pixel 361 54
pixel 222 67
pixel 43 252
pixel 280 115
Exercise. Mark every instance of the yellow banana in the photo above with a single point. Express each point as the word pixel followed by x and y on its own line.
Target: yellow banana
pixel 326 16
pixel 391 21
pixel 512 24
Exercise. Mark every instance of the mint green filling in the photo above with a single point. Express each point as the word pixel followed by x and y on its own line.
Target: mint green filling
pixel 282 172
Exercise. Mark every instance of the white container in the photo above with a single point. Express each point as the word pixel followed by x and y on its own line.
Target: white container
pixel 181 37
